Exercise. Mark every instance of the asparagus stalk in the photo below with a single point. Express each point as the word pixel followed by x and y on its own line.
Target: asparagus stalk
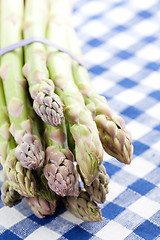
pixel 29 150
pixel 88 148
pixel 114 136
pixel 19 178
pixel 82 207
pixel 59 169
pixel 9 196
pixel 99 187
pixel 46 103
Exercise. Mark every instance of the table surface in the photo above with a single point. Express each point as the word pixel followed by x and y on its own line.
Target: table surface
pixel 120 42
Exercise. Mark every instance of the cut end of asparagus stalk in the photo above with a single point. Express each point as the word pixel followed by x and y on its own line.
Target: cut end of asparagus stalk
pixel 61 173
pixel 30 152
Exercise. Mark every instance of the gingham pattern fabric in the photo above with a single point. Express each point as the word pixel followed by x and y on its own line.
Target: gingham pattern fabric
pixel 120 42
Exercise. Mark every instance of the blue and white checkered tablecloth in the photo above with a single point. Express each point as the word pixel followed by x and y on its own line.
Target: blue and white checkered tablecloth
pixel 120 40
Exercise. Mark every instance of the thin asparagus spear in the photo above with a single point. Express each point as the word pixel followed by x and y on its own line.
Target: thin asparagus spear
pixel 46 103
pixel 114 136
pixel 99 187
pixel 59 169
pixel 29 150
pixel 88 148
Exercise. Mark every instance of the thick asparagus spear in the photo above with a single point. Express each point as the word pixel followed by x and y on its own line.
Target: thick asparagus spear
pixel 88 148
pixel 19 178
pixel 29 150
pixel 46 103
pixel 59 169
pixel 82 207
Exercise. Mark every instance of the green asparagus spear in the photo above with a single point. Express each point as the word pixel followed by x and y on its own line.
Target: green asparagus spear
pixel 29 150
pixel 82 207
pixel 46 103
pixel 88 148
pixel 19 178
pixel 59 169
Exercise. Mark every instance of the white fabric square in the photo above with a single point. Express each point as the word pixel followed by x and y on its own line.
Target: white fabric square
pixel 70 217
pixel 125 68
pixel 114 190
pixel 95 28
pixel 146 27
pixel 144 207
pixel 97 56
pixel 143 4
pixel 139 167
pixel 137 129
pixel 43 233
pixel 130 97
pixel 113 231
pixel 156 146
pixel 152 80
pixel 93 7
pixel 101 85
pixel 122 41
pixel 10 216
pixel 120 15
pixel 149 53
pixel 154 111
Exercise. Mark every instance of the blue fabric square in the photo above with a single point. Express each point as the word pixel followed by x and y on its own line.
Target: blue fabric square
pixel 127 83
pixel 126 198
pixel 8 235
pixel 147 230
pixel 77 233
pixel 124 54
pixel 157 128
pixel 94 227
pixel 120 28
pixel 155 95
pixel 97 69
pixel 110 168
pixel 24 228
pixel 132 112
pixel 142 186
pixel 153 66
pixel 149 39
pixel 60 225
pixel 112 210
pixel 129 219
pixel 156 218
pixel 139 147
pixel 95 42
pixel 144 14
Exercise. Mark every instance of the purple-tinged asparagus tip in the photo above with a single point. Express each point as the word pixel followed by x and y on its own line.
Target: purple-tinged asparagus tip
pixel 30 152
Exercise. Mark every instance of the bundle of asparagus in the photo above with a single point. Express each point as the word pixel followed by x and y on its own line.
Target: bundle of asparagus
pixel 53 125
